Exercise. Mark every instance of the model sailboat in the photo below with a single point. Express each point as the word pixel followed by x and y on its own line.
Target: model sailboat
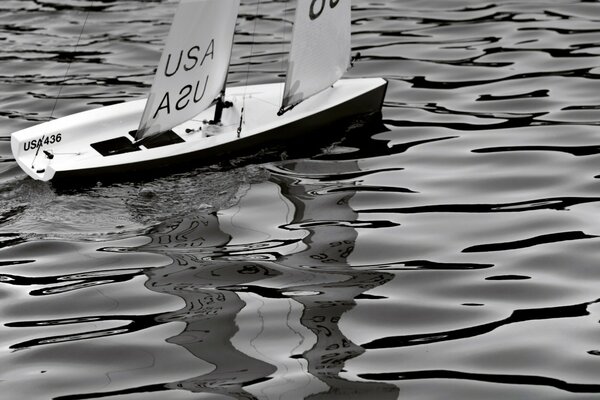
pixel 190 115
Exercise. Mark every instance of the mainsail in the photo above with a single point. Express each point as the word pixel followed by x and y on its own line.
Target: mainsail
pixel 193 66
pixel 320 52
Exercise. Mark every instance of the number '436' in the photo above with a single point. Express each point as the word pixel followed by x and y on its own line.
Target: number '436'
pixel 43 141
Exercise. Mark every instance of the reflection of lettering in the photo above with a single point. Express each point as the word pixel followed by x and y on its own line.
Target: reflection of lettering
pixel 184 97
pixel 315 12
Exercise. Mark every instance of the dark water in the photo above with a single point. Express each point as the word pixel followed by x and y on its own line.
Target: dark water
pixel 449 253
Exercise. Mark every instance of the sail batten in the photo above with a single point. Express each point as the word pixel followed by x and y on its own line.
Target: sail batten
pixel 320 50
pixel 193 67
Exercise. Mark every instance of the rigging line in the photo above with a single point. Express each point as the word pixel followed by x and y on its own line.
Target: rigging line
pixel 286 11
pixel 62 82
pixel 69 65
pixel 248 70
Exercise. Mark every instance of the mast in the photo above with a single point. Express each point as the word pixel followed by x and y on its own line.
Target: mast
pixel 221 104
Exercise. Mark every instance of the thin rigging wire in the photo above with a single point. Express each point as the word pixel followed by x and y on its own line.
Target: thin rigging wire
pixel 283 43
pixel 62 83
pixel 70 62
pixel 248 68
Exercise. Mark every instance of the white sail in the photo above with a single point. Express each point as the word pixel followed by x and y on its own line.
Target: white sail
pixel 320 52
pixel 193 67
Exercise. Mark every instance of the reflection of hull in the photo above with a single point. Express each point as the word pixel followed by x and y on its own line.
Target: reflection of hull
pixel 209 315
pixel 98 143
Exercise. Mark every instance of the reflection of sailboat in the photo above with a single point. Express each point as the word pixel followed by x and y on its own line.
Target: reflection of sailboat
pixel 271 328
pixel 190 116
pixel 210 316
pixel 261 309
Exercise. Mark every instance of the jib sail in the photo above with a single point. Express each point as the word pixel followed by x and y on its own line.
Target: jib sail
pixel 193 66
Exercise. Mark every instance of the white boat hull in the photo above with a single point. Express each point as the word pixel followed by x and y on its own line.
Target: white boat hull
pixel 98 143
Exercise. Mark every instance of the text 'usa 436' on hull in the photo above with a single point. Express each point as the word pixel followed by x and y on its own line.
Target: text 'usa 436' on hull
pixel 100 143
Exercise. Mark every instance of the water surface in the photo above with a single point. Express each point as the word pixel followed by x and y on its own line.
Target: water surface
pixel 448 252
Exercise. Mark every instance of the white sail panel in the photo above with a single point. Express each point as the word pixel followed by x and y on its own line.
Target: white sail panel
pixel 193 66
pixel 320 51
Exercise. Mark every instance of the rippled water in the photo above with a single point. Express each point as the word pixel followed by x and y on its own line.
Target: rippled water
pixel 449 252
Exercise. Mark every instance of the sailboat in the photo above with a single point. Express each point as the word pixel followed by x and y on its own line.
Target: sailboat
pixel 191 116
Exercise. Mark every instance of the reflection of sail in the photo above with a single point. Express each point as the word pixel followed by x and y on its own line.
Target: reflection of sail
pixel 324 217
pixel 209 313
pixel 269 325
pixel 331 240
